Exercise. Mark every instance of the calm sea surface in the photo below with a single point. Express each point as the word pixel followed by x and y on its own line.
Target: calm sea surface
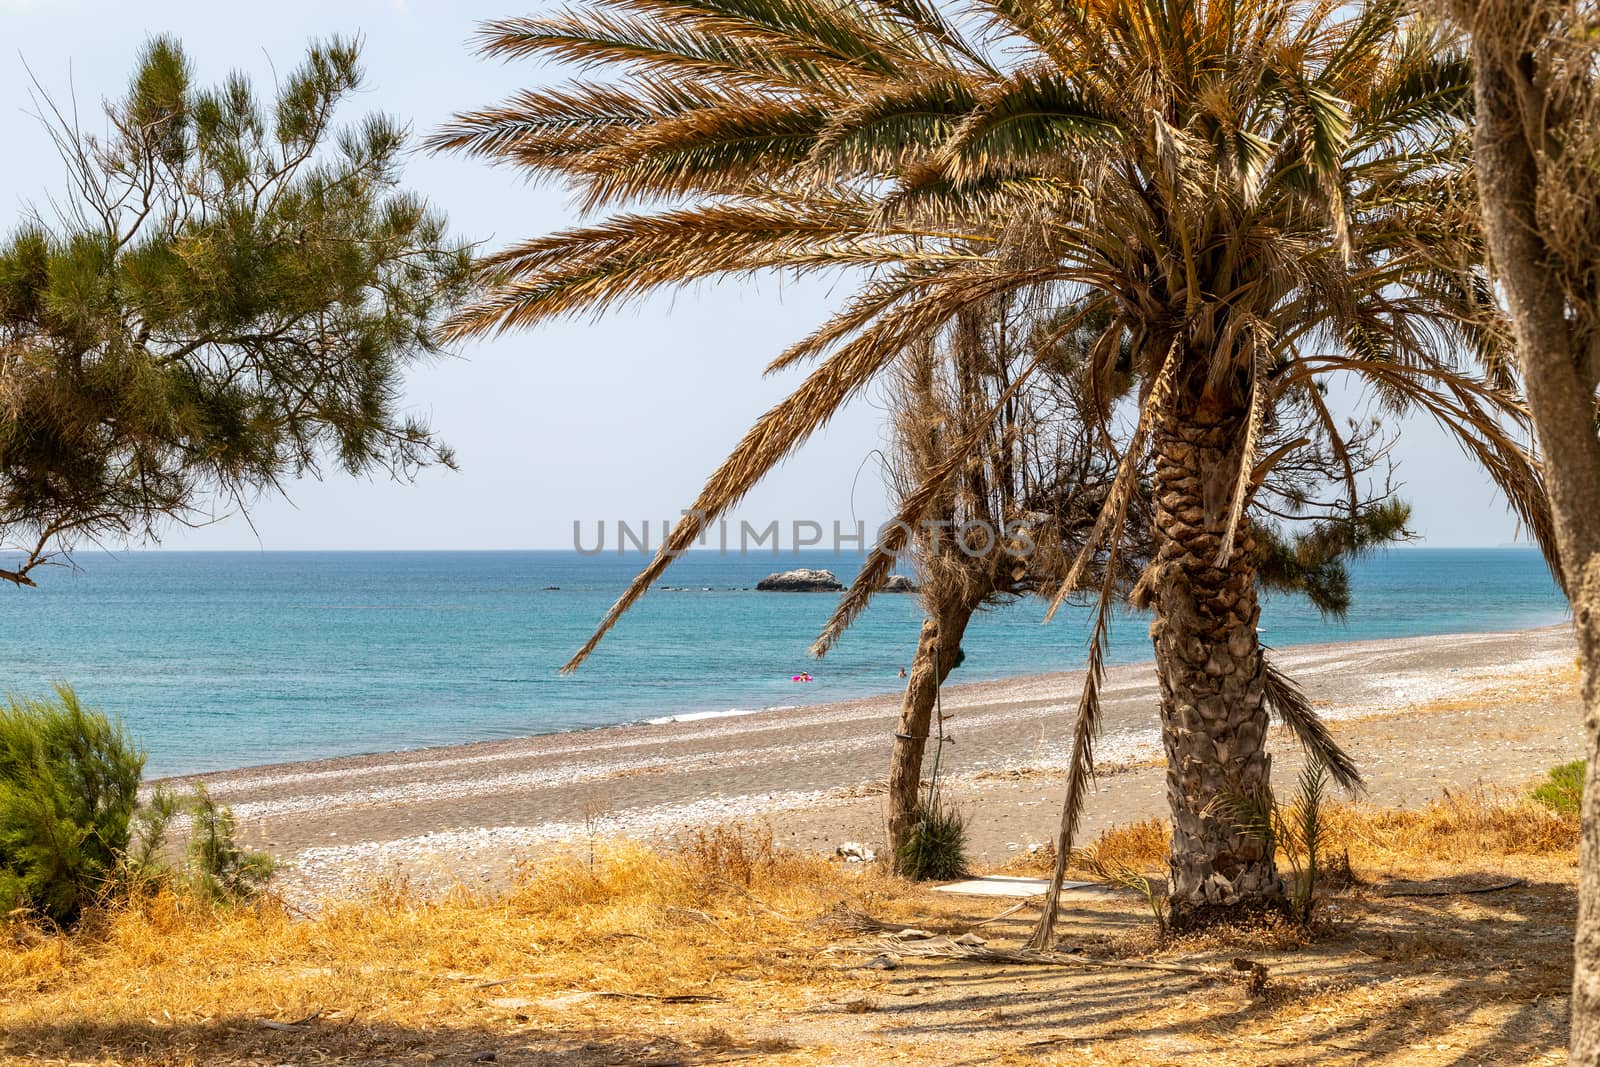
pixel 219 660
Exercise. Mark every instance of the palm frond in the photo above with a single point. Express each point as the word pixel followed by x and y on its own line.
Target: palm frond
pixel 1080 765
pixel 1289 702
pixel 1116 506
pixel 1244 477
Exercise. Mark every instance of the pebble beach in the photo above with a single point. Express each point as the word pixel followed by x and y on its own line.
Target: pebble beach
pixel 1420 715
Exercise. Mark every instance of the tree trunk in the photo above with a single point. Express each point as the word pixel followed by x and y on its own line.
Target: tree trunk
pixel 941 633
pixel 1559 378
pixel 1210 668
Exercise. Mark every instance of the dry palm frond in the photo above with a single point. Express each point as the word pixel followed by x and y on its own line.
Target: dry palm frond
pixel 917 504
pixel 1115 509
pixel 1080 765
pixel 1291 705
pixel 1243 479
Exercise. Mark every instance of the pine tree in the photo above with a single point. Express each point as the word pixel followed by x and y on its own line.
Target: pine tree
pixel 228 300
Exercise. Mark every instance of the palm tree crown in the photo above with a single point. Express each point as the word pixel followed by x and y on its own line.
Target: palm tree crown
pixel 1246 197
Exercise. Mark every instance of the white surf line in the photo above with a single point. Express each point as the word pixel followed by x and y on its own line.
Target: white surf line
pixel 832 713
pixel 997 694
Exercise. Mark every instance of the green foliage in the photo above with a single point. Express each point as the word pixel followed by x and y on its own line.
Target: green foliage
pixel 229 300
pixel 152 824
pixel 1302 837
pixel 69 781
pixel 1295 832
pixel 936 848
pixel 1315 562
pixel 218 868
pixel 1562 789
pixel 214 866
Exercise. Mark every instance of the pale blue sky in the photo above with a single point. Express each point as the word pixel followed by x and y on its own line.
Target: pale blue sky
pixel 618 419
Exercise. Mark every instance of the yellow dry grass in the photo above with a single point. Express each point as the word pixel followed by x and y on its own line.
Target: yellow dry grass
pixel 169 980
pixel 1473 825
pixel 581 964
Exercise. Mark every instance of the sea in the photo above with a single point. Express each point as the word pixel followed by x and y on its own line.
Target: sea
pixel 221 660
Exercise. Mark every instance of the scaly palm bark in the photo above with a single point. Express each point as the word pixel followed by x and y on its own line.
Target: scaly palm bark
pixel 1210 668
pixel 1536 66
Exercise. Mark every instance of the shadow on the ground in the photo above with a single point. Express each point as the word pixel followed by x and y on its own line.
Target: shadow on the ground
pixel 1444 980
pixel 242 1041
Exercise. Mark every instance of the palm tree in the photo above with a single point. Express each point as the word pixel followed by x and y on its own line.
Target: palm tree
pixel 1257 195
pixel 1006 528
pixel 1017 518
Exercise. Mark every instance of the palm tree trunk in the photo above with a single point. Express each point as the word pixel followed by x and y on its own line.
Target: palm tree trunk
pixel 1560 370
pixel 1209 662
pixel 937 646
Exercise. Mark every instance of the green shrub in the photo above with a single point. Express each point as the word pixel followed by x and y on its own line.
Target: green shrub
pixel 937 846
pixel 211 865
pixel 1295 833
pixel 218 868
pixel 1562 789
pixel 69 782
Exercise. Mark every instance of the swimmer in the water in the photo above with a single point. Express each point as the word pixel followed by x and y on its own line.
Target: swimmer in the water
pixel 902 672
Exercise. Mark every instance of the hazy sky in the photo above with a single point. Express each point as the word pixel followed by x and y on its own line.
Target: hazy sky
pixel 622 418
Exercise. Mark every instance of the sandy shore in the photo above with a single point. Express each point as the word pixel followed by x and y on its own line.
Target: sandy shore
pixel 1421 714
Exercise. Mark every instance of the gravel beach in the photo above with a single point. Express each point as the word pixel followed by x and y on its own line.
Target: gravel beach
pixel 1420 715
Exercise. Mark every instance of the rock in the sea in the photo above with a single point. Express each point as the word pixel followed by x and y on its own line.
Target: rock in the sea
pixel 899 583
pixel 803 580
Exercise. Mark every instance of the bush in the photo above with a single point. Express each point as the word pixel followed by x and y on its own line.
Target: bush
pixel 1562 789
pixel 218 868
pixel 69 782
pixel 936 849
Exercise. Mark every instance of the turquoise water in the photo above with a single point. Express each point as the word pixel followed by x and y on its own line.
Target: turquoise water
pixel 219 660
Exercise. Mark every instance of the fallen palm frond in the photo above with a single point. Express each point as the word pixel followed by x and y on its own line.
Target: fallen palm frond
pixel 1450 890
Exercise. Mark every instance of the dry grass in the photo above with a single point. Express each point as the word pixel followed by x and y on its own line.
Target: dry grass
pixel 168 980
pixel 1466 826
pixel 537 974
pixel 1462 826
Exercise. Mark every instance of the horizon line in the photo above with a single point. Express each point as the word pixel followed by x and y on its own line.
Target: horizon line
pixel 708 551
